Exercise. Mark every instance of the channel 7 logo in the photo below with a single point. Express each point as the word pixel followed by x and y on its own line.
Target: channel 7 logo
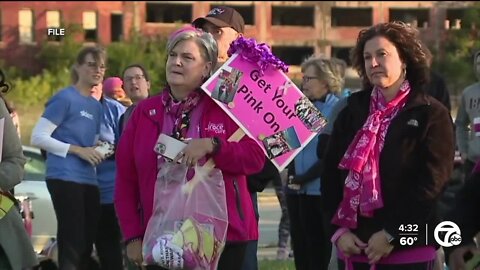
pixel 447 234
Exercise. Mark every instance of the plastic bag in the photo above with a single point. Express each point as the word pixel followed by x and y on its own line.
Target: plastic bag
pixel 189 222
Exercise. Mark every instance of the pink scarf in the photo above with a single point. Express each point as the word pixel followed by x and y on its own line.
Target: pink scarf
pixel 362 185
pixel 181 110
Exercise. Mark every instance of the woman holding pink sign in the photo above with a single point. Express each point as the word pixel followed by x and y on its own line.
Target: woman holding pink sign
pixel 389 156
pixel 187 115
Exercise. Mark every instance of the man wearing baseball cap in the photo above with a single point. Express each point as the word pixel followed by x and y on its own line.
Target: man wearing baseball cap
pixel 226 25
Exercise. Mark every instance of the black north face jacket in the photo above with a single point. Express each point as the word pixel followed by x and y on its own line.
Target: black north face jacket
pixel 415 164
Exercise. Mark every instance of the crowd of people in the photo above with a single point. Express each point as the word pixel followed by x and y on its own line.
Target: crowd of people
pixel 382 162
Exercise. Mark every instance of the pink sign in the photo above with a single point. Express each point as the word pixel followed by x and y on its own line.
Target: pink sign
pixel 268 107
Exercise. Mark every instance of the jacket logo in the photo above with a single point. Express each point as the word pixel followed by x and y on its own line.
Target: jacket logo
pixel 412 122
pixel 215 12
pixel 216 128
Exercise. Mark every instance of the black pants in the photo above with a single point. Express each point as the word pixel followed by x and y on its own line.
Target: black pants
pixel 108 239
pixel 413 266
pixel 311 247
pixel 250 260
pixel 232 256
pixel 468 168
pixel 77 207
pixel 4 262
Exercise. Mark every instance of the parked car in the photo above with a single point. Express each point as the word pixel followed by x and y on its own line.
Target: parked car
pixel 33 190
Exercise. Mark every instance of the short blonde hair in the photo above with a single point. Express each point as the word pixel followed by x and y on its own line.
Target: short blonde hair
pixel 328 70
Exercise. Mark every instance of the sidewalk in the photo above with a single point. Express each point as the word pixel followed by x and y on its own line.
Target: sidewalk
pixel 266 253
pixel 267 196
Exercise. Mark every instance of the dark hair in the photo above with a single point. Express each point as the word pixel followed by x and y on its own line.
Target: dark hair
pixel 144 71
pixel 4 87
pixel 411 50
pixel 96 52
pixel 475 55
pixel 74 75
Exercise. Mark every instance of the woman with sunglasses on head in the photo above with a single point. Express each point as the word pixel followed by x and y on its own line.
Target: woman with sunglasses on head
pixel 68 130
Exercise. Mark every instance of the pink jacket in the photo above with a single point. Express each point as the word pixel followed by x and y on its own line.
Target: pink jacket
pixel 137 169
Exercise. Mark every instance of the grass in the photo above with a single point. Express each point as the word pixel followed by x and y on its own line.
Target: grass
pixel 276 265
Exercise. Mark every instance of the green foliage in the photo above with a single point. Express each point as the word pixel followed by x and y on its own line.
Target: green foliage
pixel 38 89
pixel 276 265
pixel 150 52
pixel 55 57
pixel 457 62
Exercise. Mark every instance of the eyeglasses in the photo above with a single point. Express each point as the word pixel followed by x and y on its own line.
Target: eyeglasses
pixel 93 65
pixel 308 78
pixel 137 78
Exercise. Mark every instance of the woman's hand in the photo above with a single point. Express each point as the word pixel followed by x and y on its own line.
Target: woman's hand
pixel 134 252
pixel 87 153
pixel 378 247
pixel 195 150
pixel 349 244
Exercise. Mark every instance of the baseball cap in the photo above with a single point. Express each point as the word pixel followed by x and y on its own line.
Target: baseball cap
pixel 222 17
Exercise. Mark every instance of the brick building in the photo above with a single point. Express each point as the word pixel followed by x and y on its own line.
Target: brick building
pixel 294 29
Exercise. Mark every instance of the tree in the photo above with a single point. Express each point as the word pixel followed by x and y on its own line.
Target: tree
pixel 147 51
pixel 456 63
pixel 59 56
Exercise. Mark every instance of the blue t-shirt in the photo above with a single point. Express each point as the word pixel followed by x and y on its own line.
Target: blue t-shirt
pixel 109 132
pixel 77 118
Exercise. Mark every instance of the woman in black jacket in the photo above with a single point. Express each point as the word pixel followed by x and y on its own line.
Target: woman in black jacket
pixel 389 156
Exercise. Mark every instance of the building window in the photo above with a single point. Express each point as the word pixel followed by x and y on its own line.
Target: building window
pixel 342 53
pixel 90 26
pixel 454 19
pixel 294 16
pixel 25 25
pixel 116 27
pixel 292 55
pixel 351 17
pixel 247 12
pixel 169 13
pixel 53 21
pixel 417 17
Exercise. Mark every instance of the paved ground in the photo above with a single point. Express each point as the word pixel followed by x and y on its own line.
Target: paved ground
pixel 270 213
